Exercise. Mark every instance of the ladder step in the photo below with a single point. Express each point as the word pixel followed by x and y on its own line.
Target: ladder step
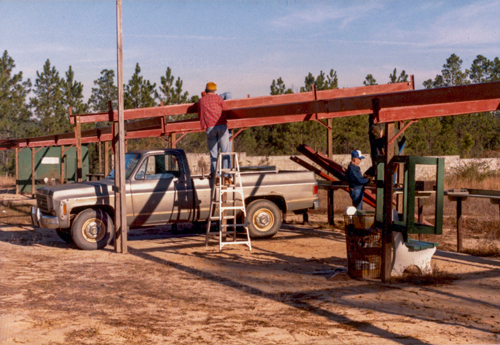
pixel 232 189
pixel 233 225
pixel 236 242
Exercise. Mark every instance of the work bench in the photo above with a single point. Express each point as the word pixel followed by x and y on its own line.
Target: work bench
pixel 462 194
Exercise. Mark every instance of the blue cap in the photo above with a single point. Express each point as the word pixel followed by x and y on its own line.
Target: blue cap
pixel 357 154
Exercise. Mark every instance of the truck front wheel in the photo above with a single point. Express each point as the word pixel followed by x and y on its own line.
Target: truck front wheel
pixel 263 218
pixel 92 229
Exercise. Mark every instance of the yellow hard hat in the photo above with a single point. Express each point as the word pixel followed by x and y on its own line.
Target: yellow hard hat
pixel 211 87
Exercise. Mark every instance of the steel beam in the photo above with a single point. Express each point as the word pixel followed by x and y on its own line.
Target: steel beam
pixel 454 101
pixel 171 110
pixel 364 104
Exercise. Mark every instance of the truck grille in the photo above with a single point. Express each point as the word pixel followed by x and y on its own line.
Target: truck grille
pixel 41 202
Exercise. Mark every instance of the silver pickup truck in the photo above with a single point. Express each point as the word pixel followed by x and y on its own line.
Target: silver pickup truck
pixel 161 190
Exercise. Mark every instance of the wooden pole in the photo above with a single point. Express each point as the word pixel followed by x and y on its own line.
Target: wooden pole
pixel 99 152
pixel 420 213
pixel 106 158
pixel 399 197
pixel 387 209
pixel 120 192
pixel 459 225
pixel 331 206
pixel 17 169
pixel 33 171
pixel 172 142
pixel 62 170
pixel 78 138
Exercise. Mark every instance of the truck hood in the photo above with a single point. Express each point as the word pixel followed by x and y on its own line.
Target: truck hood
pixel 79 189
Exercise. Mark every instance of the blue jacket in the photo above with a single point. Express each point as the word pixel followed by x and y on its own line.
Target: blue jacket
pixel 354 176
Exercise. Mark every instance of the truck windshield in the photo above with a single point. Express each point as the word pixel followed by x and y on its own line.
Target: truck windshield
pixel 131 160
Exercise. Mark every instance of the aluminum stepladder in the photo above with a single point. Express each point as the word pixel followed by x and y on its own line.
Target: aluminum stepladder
pixel 227 199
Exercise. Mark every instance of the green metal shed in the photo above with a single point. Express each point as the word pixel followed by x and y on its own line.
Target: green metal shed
pixel 48 165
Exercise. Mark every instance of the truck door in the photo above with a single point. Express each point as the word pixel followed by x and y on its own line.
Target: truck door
pixel 158 191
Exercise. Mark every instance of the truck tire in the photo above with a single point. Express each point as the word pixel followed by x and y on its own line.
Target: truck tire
pixel 65 235
pixel 92 229
pixel 263 218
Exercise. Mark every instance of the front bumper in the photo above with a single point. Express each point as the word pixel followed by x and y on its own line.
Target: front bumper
pixel 41 220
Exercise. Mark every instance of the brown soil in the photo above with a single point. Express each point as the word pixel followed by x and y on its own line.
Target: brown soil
pixel 171 289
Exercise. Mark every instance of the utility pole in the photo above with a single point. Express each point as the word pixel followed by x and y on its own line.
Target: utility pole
pixel 119 188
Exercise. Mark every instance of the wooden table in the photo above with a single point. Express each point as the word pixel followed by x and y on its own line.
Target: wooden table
pixel 462 194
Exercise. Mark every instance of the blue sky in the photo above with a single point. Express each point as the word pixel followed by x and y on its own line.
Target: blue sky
pixel 244 45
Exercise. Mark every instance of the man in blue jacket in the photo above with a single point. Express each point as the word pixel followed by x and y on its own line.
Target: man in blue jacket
pixel 356 180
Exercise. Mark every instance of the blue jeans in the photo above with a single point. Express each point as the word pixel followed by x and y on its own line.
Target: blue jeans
pixel 218 139
pixel 356 194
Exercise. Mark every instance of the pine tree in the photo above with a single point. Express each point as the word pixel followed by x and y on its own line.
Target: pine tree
pixel 172 92
pixel 14 113
pixel 278 87
pixel 308 83
pixel 139 93
pixel 105 91
pixel 393 78
pixel 49 102
pixel 326 82
pixel 480 69
pixel 369 80
pixel 73 93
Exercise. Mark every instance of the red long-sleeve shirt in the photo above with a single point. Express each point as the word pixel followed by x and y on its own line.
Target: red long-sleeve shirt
pixel 210 109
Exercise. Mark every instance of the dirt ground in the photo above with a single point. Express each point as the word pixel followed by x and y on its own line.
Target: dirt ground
pixel 171 289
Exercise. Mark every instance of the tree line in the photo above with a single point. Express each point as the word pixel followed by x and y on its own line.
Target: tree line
pixel 41 108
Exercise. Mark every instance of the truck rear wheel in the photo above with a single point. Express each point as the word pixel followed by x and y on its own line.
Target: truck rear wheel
pixel 92 229
pixel 264 219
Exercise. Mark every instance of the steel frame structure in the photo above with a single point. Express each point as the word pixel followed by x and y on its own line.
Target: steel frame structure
pixel 388 103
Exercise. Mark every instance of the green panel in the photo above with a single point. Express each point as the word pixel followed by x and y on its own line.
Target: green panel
pixel 410 187
pixel 379 209
pixel 439 196
pixel 48 165
pixel 407 224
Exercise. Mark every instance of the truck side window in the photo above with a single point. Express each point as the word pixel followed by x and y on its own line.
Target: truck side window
pixel 145 169
pixel 159 167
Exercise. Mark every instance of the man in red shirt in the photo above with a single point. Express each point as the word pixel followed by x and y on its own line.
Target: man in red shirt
pixel 213 120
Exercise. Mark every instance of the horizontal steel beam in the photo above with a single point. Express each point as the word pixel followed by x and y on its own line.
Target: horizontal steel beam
pixel 437 110
pixel 364 104
pixel 179 109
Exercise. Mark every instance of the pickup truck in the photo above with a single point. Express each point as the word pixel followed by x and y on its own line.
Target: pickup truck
pixel 161 190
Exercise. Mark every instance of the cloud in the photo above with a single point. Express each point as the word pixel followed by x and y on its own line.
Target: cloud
pixel 321 13
pixel 183 37
pixel 475 24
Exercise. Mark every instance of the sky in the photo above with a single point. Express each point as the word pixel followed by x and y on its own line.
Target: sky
pixel 243 45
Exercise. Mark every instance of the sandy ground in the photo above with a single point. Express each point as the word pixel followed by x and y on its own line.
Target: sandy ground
pixel 171 289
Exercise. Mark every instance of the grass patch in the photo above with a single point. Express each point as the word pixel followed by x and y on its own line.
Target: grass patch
pixel 7 182
pixel 415 277
pixel 484 249
pixel 474 175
